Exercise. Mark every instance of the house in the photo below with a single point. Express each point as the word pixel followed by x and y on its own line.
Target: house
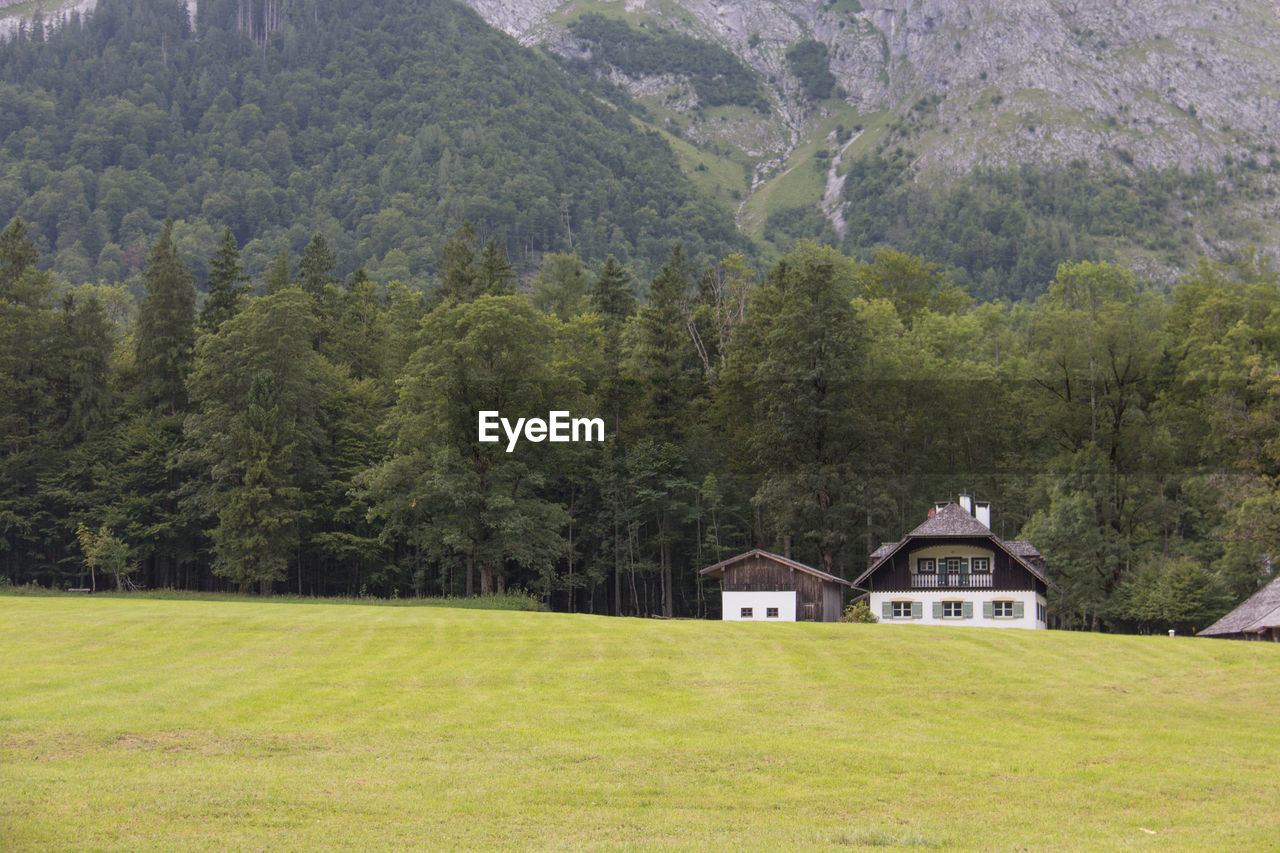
pixel 1258 618
pixel 952 570
pixel 764 587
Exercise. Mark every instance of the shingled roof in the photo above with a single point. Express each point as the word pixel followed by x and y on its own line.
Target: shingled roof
pixel 951 520
pixel 1259 612
pixel 717 570
pixel 1022 548
pixel 954 520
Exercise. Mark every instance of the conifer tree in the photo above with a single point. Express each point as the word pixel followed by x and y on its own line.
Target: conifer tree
pixel 166 327
pixel 226 284
pixel 315 267
pixel 258 391
pixel 26 402
pixel 494 274
pixel 278 276
pixel 611 293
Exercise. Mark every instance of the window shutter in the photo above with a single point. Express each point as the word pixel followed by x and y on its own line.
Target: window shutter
pixel 1017 610
pixel 964 565
pixel 937 610
pixel 886 610
pixel 987 610
pixel 968 609
pixel 917 610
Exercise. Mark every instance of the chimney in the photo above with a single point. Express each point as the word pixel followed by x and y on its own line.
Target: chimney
pixel 966 503
pixel 983 514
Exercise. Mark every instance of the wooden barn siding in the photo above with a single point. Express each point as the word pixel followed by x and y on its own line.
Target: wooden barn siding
pixel 759 574
pixel 1006 574
pixel 832 602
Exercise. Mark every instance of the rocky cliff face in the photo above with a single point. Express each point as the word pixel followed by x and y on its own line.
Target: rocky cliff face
pixel 1149 83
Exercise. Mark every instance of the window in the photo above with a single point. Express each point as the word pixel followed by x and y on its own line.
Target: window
pixel 771 613
pixel 745 613
pixel 1041 616
pixel 1002 609
pixel 980 565
pixel 953 610
pixel 927 566
pixel 956 565
pixel 902 610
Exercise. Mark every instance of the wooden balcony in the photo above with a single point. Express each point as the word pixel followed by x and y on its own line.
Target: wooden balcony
pixel 956 580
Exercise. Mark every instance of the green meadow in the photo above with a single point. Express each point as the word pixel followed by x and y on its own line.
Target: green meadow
pixel 131 724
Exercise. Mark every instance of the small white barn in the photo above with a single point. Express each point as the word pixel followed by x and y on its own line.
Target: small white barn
pixel 759 586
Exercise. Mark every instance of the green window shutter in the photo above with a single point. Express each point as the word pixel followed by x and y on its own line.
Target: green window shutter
pixel 886 610
pixel 964 565
pixel 937 610
pixel 968 609
pixel 1017 610
pixel 917 610
pixel 987 610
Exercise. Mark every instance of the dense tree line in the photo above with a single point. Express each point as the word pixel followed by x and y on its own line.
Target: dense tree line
pixel 382 125
pixel 306 433
pixel 1002 232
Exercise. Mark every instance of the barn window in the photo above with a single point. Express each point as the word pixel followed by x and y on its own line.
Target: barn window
pixel 745 613
pixel 771 613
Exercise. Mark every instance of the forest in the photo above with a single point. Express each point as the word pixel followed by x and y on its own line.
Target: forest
pixel 383 127
pixel 256 284
pixel 303 432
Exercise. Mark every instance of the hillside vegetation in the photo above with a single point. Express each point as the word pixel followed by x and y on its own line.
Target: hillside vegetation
pixel 212 725
pixel 385 127
pixel 1143 100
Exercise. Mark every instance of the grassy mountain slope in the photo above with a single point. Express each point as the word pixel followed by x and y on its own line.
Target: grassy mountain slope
pixel 209 724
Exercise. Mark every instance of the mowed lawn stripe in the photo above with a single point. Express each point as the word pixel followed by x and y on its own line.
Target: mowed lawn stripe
pixel 271 725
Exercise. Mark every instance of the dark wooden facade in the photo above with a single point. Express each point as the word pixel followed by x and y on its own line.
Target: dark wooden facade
pixel 1006 572
pixel 819 596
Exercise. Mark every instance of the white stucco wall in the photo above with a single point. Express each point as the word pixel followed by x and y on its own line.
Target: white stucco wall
pixel 733 602
pixel 977 597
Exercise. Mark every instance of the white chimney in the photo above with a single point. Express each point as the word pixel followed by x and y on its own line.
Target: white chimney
pixel 966 503
pixel 983 514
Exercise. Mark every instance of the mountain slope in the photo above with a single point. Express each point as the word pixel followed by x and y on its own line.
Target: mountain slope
pixel 383 126
pixel 1131 90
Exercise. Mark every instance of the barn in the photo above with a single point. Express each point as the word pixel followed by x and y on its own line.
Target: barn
pixel 762 587
pixel 1258 618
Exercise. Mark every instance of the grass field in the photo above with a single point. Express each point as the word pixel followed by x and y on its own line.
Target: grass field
pixel 141 723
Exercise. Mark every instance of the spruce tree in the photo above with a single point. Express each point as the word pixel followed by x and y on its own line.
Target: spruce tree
pixel 166 327
pixel 315 267
pixel 226 284
pixel 494 275
pixel 611 293
pixel 278 276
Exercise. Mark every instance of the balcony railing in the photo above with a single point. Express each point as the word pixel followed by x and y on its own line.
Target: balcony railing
pixel 952 580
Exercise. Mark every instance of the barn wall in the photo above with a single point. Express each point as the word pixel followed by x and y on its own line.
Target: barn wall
pixel 759 602
pixel 760 574
pixel 832 602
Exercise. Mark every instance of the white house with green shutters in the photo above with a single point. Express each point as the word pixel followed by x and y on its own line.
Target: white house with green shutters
pixel 952 570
